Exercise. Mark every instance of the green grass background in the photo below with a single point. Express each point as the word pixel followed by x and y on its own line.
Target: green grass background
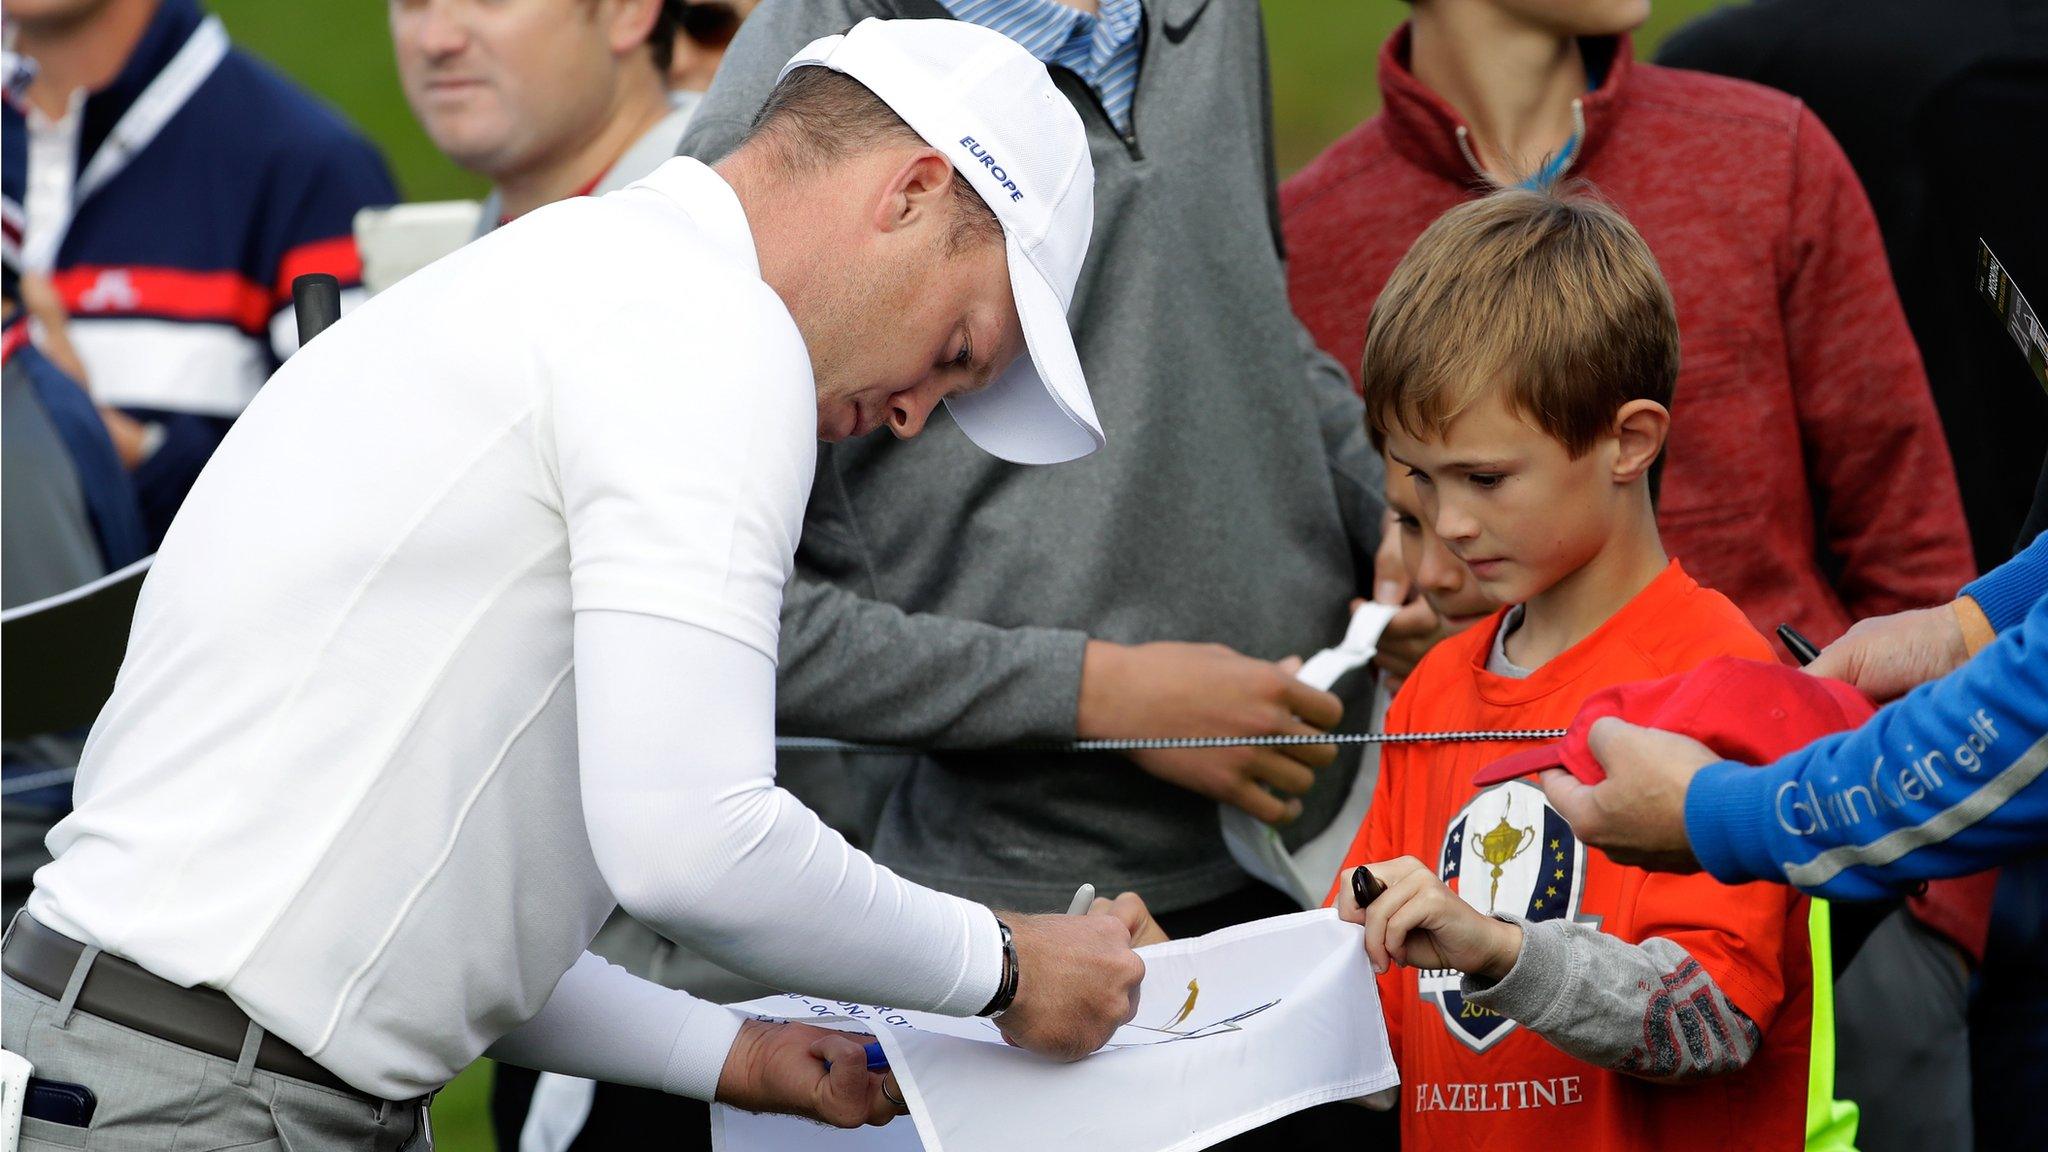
pixel 1323 53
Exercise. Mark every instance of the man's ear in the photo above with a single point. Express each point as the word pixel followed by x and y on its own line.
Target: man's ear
pixel 628 22
pixel 1640 429
pixel 920 190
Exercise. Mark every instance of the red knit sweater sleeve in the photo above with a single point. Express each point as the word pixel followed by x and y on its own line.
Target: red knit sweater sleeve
pixel 1890 514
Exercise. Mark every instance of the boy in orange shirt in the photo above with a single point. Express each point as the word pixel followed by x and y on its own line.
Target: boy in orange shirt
pixel 1539 996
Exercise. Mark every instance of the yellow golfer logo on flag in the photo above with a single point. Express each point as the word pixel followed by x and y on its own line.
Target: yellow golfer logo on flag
pixel 1187 1009
pixel 1173 1029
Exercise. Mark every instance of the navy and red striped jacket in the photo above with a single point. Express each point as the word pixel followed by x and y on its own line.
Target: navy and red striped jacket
pixel 177 267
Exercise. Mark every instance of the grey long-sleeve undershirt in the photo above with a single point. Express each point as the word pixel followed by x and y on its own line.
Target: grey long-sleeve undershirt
pixel 1647 1009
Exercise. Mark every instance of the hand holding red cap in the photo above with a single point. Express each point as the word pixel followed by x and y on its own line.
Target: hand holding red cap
pixel 1744 710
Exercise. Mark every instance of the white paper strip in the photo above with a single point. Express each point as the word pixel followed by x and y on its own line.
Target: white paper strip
pixel 1361 642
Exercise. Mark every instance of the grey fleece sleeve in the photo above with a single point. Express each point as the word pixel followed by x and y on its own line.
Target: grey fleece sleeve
pixel 860 669
pixel 1356 471
pixel 1646 1009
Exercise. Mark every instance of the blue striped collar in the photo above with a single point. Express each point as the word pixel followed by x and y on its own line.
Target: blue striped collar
pixel 1044 27
pixel 1102 49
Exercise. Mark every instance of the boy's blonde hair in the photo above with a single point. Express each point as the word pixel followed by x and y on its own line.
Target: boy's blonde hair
pixel 1552 298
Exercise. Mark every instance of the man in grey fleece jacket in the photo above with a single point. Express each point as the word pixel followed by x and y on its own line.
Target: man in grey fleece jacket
pixel 946 600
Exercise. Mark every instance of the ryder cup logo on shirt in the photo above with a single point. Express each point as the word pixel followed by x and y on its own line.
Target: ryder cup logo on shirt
pixel 1506 851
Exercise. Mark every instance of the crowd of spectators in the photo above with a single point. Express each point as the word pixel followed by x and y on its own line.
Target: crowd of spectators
pixel 1851 435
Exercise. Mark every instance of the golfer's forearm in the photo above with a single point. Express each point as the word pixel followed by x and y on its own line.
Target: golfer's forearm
pixel 607 1024
pixel 688 828
pixel 1950 779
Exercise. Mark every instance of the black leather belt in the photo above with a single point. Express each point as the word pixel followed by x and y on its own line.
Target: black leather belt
pixel 202 1019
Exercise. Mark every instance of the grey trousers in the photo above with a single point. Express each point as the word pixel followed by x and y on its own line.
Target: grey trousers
pixel 1902 1048
pixel 155 1096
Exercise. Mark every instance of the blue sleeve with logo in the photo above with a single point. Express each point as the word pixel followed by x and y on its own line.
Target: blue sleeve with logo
pixel 1950 779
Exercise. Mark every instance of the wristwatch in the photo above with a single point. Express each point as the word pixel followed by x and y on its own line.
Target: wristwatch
pixel 1006 988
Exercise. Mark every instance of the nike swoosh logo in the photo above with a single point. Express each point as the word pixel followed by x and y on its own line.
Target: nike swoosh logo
pixel 1177 33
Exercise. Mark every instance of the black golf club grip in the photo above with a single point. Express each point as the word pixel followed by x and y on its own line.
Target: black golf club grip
pixel 316 300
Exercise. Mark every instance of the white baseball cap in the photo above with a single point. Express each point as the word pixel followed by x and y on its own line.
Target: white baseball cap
pixel 991 107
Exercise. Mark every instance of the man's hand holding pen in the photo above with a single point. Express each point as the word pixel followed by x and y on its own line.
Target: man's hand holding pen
pixel 1077 982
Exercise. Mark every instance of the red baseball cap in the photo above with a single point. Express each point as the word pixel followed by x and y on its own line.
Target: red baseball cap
pixel 1744 710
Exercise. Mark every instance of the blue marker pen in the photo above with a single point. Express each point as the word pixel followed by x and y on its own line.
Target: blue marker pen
pixel 878 1060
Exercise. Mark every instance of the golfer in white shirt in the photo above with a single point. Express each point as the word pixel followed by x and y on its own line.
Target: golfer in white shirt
pixel 468 633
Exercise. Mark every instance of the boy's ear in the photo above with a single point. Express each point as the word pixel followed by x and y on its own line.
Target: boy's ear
pixel 1640 429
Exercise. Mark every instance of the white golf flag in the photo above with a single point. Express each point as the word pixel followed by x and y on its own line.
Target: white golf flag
pixel 1233 1030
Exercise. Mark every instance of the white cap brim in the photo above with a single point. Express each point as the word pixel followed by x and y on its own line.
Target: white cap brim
pixel 1038 411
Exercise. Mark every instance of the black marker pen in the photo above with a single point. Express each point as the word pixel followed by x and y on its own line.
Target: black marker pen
pixel 1802 648
pixel 1365 887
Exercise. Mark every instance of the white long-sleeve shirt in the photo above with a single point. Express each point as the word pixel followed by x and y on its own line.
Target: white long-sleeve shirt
pixel 467 634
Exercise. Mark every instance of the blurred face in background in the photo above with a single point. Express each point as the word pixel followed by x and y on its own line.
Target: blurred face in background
pixel 704 28
pixel 1577 17
pixel 57 12
pixel 1441 577
pixel 59 46
pixel 502 86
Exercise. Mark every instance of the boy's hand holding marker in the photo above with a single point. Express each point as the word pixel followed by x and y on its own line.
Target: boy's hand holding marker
pixel 1414 919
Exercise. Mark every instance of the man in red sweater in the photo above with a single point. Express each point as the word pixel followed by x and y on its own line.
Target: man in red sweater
pixel 1808 477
